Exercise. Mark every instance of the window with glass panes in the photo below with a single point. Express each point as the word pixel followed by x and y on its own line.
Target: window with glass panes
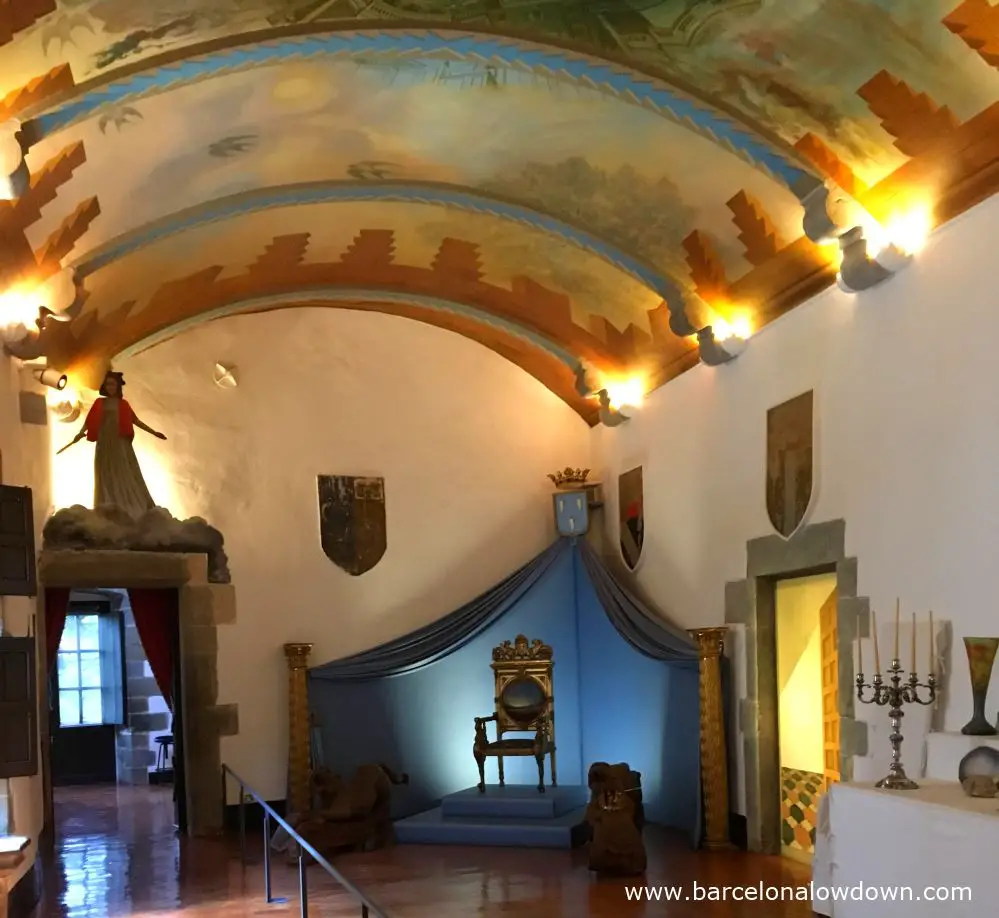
pixel 79 672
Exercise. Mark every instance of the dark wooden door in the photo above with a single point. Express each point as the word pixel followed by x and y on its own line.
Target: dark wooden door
pixel 85 693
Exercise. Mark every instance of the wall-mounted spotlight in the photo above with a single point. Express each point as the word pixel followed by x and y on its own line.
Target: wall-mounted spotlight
pixel 721 342
pixel 609 415
pixel 871 253
pixel 51 378
pixel 829 212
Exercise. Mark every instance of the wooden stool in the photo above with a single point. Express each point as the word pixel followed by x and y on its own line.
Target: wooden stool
pixel 164 752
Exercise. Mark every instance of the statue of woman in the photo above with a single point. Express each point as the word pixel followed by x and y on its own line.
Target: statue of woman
pixel 110 425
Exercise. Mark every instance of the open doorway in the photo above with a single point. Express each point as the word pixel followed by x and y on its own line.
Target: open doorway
pixel 807 705
pixel 114 715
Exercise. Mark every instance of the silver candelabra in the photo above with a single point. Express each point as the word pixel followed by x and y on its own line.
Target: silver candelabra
pixel 895 695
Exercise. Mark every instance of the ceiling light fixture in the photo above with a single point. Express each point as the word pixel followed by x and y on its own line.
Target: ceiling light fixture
pixel 51 378
pixel 722 341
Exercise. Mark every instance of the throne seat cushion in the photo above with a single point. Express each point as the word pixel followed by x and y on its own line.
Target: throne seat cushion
pixel 513 747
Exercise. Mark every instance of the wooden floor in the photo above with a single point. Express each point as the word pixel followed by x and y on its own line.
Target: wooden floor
pixel 118 854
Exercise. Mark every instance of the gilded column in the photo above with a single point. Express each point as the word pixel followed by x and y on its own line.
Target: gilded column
pixel 299 772
pixel 714 754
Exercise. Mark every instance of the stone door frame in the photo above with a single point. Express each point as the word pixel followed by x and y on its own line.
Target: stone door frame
pixel 819 548
pixel 202 606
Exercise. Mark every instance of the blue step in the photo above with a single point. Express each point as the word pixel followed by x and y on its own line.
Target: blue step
pixel 515 801
pixel 433 828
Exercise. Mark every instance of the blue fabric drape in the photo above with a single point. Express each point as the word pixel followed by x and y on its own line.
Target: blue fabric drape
pixel 439 639
pixel 649 635
pixel 640 627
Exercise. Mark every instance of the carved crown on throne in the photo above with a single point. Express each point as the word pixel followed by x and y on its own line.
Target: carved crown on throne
pixel 523 677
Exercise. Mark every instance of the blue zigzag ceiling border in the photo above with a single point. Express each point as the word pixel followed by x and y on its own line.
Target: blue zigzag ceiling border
pixel 613 79
pixel 249 202
pixel 334 295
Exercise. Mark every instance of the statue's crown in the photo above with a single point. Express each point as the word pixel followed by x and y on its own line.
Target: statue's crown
pixel 569 477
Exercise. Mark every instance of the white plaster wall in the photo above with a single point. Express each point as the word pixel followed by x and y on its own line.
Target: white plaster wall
pixel 25 461
pixel 463 438
pixel 906 382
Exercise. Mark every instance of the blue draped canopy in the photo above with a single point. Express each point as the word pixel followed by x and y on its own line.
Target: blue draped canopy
pixel 642 629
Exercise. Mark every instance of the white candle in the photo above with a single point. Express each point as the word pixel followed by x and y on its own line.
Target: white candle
pixel 860 652
pixel 932 660
pixel 898 612
pixel 874 631
pixel 912 665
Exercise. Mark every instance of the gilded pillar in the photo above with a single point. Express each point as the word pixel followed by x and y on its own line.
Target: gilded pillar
pixel 299 771
pixel 714 754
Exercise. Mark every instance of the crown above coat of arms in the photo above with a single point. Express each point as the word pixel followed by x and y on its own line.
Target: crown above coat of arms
pixel 570 478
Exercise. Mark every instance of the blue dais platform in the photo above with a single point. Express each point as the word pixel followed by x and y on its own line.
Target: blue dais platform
pixel 515 816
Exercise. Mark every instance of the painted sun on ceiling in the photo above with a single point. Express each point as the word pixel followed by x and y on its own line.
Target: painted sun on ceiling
pixel 793 68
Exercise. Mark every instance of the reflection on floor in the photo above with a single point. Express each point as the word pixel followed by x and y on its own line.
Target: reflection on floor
pixel 117 854
pixel 799 809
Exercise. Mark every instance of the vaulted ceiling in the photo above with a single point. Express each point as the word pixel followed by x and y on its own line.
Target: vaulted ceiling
pixel 556 179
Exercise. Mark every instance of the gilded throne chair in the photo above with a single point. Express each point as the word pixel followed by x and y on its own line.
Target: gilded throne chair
pixel 522 672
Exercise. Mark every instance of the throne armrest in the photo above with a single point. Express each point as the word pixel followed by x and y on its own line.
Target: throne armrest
pixel 481 737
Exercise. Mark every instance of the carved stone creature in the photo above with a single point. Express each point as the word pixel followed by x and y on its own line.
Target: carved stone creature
pixel 354 814
pixel 979 786
pixel 616 816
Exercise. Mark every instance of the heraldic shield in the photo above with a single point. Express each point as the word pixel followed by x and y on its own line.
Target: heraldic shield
pixel 352 521
pixel 572 512
pixel 789 463
pixel 631 506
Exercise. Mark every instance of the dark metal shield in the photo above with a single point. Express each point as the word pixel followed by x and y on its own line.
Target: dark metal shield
pixel 789 463
pixel 352 521
pixel 631 506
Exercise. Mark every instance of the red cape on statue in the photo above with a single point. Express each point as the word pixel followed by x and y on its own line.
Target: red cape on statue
pixel 126 419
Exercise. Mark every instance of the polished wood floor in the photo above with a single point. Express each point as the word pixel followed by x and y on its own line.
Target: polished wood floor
pixel 118 854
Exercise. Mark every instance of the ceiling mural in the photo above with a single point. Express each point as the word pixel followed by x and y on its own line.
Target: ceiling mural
pixel 504 251
pixel 575 184
pixel 549 146
pixel 793 68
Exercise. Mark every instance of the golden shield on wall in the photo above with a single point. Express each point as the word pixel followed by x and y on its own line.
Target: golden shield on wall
pixel 789 463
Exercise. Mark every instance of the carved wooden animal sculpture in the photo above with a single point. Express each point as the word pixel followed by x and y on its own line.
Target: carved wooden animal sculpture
pixel 616 816
pixel 354 814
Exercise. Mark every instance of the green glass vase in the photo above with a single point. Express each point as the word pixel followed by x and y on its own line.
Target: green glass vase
pixel 981 657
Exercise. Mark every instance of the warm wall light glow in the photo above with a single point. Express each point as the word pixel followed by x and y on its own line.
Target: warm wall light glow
pixel 19 306
pixel 629 392
pixel 737 327
pixel 910 231
pixel 73 472
pixel 63 403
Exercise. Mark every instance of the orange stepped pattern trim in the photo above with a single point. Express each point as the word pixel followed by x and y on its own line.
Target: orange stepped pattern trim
pixel 706 269
pixel 916 122
pixel 814 149
pixel 57 80
pixel 976 23
pixel 18 261
pixel 17 15
pixel 760 239
pixel 369 263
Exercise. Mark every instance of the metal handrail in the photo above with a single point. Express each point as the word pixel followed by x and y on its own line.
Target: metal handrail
pixel 368 908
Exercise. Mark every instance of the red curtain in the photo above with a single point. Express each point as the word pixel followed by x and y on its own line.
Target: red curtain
pixel 155 614
pixel 56 607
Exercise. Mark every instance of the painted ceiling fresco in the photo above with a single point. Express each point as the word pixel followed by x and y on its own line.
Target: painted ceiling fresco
pixel 793 67
pixel 558 172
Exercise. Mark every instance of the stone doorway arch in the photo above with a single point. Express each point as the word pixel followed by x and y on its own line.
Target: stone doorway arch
pixel 202 608
pixel 814 549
